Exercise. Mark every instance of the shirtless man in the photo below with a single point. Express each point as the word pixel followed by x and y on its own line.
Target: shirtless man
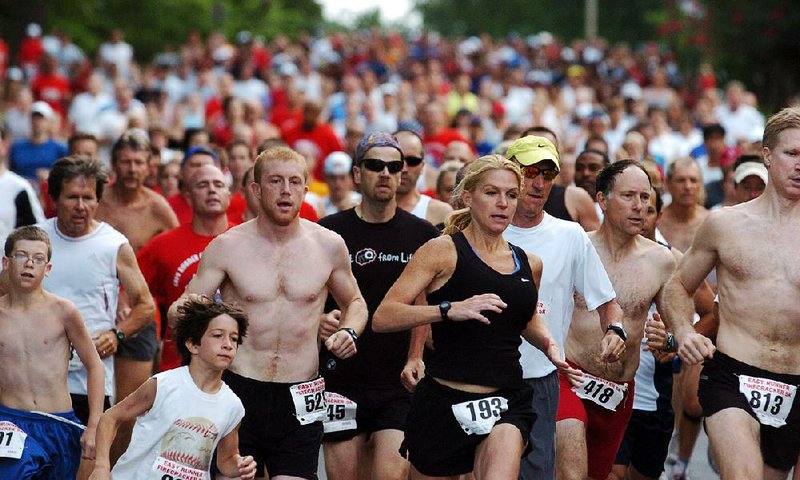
pixel 681 218
pixel 281 268
pixel 408 197
pixel 593 415
pixel 748 393
pixel 133 209
pixel 587 166
pixel 140 214
pixel 38 331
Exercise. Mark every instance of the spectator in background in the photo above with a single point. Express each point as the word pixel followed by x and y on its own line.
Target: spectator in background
pixel 19 205
pixel 338 168
pixel 50 86
pixel 319 133
pixel 169 178
pixel 32 157
pixel 17 119
pixel 736 116
pixel 115 55
pixel 86 106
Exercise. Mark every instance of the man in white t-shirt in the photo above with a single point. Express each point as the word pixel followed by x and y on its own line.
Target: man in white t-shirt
pixel 571 263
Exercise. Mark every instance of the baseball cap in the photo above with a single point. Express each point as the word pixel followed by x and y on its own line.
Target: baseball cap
pixel 338 163
pixel 43 109
pixel 199 149
pixel 530 150
pixel 750 168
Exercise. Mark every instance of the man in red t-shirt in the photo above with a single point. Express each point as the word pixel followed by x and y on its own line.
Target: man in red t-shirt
pixel 319 133
pixel 437 136
pixel 50 86
pixel 193 159
pixel 170 259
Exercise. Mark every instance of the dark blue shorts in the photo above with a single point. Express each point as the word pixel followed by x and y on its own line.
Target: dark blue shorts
pixel 52 449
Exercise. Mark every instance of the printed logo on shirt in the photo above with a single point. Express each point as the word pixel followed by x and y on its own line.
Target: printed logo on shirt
pixel 194 258
pixel 190 442
pixel 365 256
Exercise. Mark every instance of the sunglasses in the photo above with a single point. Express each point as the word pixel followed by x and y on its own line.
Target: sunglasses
pixel 534 171
pixel 376 165
pixel 412 161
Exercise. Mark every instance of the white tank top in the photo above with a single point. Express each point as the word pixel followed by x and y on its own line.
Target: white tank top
pixel 85 272
pixel 183 427
pixel 421 208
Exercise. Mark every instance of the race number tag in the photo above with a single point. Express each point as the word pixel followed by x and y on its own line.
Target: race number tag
pixel 479 416
pixel 12 440
pixel 309 401
pixel 770 400
pixel 341 413
pixel 168 470
pixel 603 392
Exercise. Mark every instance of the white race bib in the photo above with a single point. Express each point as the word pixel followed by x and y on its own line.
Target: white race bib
pixel 341 413
pixel 168 470
pixel 603 392
pixel 479 416
pixel 12 440
pixel 309 401
pixel 770 400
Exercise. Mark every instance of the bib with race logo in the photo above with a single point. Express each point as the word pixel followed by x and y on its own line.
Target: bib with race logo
pixel 166 469
pixel 341 413
pixel 309 401
pixel 12 440
pixel 477 417
pixel 770 400
pixel 75 363
pixel 598 390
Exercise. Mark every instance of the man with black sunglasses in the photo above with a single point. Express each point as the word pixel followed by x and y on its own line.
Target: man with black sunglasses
pixel 570 264
pixel 366 400
pixel 408 196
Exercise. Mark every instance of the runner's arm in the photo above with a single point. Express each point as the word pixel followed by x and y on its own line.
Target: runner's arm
pixel 129 408
pixel 141 302
pixel 229 462
pixel 210 275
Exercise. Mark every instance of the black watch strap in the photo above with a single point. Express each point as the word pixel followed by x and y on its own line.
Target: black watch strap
pixel 444 308
pixel 119 334
pixel 619 330
pixel 350 332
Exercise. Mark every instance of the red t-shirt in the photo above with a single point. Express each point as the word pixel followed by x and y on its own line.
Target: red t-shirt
pixel 322 136
pixel 168 262
pixel 181 208
pixel 52 89
pixel 436 144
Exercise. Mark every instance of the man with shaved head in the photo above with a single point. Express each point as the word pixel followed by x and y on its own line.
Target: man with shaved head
pixel 683 216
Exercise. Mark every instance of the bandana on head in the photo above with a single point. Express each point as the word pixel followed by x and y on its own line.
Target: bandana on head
pixel 376 139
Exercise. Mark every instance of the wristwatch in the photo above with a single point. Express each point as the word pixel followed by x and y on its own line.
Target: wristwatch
pixel 670 342
pixel 444 307
pixel 119 334
pixel 618 329
pixel 350 332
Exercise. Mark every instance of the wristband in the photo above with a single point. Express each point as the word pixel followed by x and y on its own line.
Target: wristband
pixel 444 307
pixel 350 332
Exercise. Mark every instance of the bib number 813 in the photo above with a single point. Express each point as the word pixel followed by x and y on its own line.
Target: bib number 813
pixel 757 398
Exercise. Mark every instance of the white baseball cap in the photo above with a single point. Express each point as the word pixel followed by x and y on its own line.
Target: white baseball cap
pixel 338 163
pixel 43 109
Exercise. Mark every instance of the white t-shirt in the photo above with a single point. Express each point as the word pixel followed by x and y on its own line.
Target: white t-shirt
pixel 570 263
pixel 14 188
pixel 85 272
pixel 181 430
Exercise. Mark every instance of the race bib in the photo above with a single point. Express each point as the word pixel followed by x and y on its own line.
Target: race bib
pixel 12 440
pixel 479 416
pixel 168 470
pixel 309 401
pixel 603 392
pixel 770 400
pixel 341 413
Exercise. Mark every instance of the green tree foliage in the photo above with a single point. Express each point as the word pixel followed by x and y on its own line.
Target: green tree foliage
pixel 150 25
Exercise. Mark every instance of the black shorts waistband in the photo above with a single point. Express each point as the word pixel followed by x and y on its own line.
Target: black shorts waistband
pixel 738 367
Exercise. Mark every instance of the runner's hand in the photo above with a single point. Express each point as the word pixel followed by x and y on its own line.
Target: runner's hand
pixel 612 347
pixel 471 308
pixel 341 344
pixel 329 324
pixel 247 467
pixel 656 333
pixel 412 373
pixel 88 443
pixel 554 354
pixel 693 347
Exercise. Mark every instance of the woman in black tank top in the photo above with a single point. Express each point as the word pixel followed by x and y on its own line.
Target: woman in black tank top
pixel 482 295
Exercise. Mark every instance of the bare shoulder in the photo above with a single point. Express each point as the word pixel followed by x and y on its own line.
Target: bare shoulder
pixel 440 250
pixel 578 194
pixel 157 202
pixel 656 253
pixel 62 308
pixel 439 207
pixel 328 239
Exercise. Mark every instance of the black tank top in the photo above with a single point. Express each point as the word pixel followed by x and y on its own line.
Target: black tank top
pixel 471 351
pixel 556 205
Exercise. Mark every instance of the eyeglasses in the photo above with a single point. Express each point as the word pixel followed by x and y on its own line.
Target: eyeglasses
pixel 412 161
pixel 534 171
pixel 376 165
pixel 23 258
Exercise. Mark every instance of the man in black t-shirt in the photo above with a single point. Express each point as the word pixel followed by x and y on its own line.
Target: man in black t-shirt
pixel 366 400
